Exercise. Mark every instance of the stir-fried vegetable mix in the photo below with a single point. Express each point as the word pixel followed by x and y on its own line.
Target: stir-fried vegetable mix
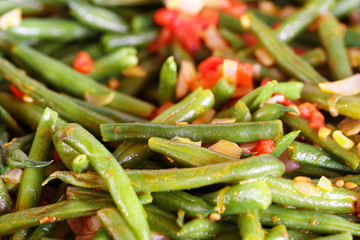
pixel 179 119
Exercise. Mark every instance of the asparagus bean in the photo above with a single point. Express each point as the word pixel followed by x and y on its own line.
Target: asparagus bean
pixel 113 175
pixel 331 36
pixel 307 220
pixel 115 224
pixel 349 157
pixel 234 132
pixel 27 218
pixel 97 18
pixel 249 225
pixel 185 178
pixel 50 29
pixel 61 77
pixel 167 83
pixel 240 198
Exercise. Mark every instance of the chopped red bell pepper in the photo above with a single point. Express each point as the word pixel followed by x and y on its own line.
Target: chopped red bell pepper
pixel 263 146
pixel 83 62
pixel 309 111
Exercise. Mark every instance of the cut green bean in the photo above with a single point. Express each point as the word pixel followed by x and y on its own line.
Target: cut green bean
pixel 10 123
pixel 223 90
pixel 167 82
pixel 241 112
pixel 284 142
pixel 340 236
pixel 278 232
pixel 250 226
pixel 271 112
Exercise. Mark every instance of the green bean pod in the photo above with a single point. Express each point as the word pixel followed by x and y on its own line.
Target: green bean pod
pixel 113 175
pixel 316 57
pixel 250 226
pixel 126 2
pixel 33 8
pixel 184 178
pixel 111 41
pixel 223 90
pixel 278 232
pixel 101 234
pixel 114 62
pixel 187 155
pixel 63 210
pixel 340 236
pixel 142 21
pixel 97 18
pixel 271 112
pixel 283 143
pixel 10 123
pixel 5 200
pixel 240 198
pixel 285 192
pixel 344 105
pixel 235 41
pixel 204 229
pixel 313 221
pixel 299 235
pixel 115 224
pixel 344 8
pixel 62 77
pixel 349 157
pixel 298 21
pixel 282 54
pixel 167 82
pixel 351 36
pixel 311 170
pixel 234 132
pixel 309 154
pixel 331 36
pixel 241 112
pixel 66 153
pixel 30 186
pixel 37 29
pixel 264 95
pixel 173 201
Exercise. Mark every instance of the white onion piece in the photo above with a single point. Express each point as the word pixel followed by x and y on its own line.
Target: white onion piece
pixel 346 87
pixel 13 175
pixel 158 236
pixel 290 165
pixel 93 223
pixel 99 99
pixel 192 7
pixel 187 72
pixel 349 126
pixel 11 18
pixel 213 40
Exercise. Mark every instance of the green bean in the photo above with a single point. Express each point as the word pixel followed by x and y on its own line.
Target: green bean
pixel 30 186
pixel 340 236
pixel 249 225
pixel 282 54
pixel 271 112
pixel 66 108
pixel 185 178
pixel 68 55
pixel 229 22
pixel 173 201
pixel 10 123
pixel 315 171
pixel 331 36
pixel 204 229
pixel 167 81
pixel 27 218
pixel 114 62
pixel 309 154
pixel 97 18
pixel 37 29
pixel 234 235
pixel 298 21
pixel 316 57
pixel 129 154
pixel 101 234
pixel 125 2
pixel 344 8
pixel 66 153
pixel 61 77
pixel 335 104
pixel 350 158
pixel 235 41
pixel 285 192
pixel 352 35
pixel 234 132
pixel 5 200
pixel 33 7
pixel 80 163
pixel 318 222
pixel 187 155
pixel 241 112
pixel 223 90
pixel 113 175
pixel 115 224
pixel 240 198
pixel 278 232
pixel 299 235
pixel 180 54
pixel 264 95
pixel 284 142
pixel 77 193
pixel 142 21
pixel 162 222
pixel 111 41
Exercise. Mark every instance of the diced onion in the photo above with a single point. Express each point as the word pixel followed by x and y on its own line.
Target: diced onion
pixel 205 118
pixel 290 165
pixel 186 140
pixel 223 120
pixel 325 184
pixel 332 106
pixel 187 73
pixel 349 126
pixel 13 175
pixel 306 188
pixel 11 18
pixel 99 99
pixel 346 87
pixel 192 7
pixel 350 185
pixel 227 148
pixel 230 70
pixel 268 7
pixel 264 57
pixel 158 236
pixel 93 223
pixel 213 39
pixel 287 11
pixel 134 71
pixel 342 140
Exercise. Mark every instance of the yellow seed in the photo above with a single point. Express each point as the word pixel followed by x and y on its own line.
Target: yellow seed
pixel 182 123
pixel 342 140
pixel 302 179
pixel 339 183
pixel 350 185
pixel 215 216
pixel 324 132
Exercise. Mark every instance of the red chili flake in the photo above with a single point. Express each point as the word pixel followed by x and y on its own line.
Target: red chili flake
pixel 16 92
pixel 83 62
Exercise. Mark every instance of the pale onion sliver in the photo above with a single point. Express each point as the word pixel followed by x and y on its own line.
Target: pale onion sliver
pixel 11 18
pixel 186 74
pixel 308 189
pixel 347 87
pixel 213 40
pixel 192 7
pixel 99 99
pixel 349 126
